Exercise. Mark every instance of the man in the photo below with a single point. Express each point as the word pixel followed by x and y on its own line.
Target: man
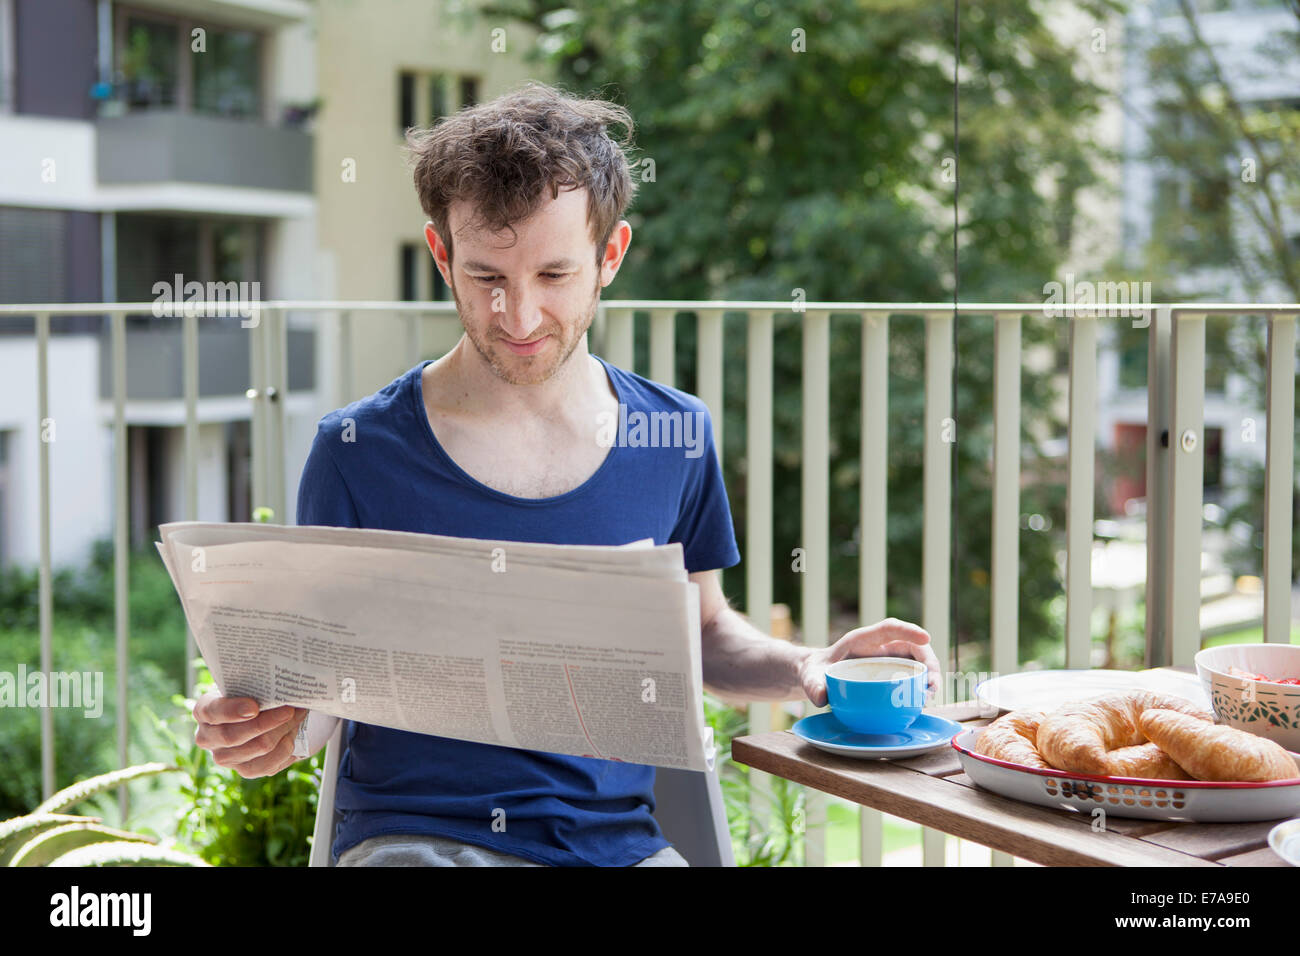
pixel 500 439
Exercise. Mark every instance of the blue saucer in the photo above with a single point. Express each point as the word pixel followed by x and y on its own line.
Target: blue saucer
pixel 826 733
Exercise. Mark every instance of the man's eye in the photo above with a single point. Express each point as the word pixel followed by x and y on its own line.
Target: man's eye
pixel 556 275
pixel 486 278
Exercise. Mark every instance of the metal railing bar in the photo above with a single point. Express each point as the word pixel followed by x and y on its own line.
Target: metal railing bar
pixel 121 545
pixel 620 330
pixel 190 373
pixel 936 509
pixel 46 593
pixel 662 346
pixel 873 521
pixel 1157 488
pixel 1080 484
pixel 815 530
pixel 1279 478
pixel 1186 477
pixel 758 524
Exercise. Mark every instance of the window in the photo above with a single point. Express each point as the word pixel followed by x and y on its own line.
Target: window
pixel 437 98
pixel 157 67
pixel 152 248
pixel 422 95
pixel 409 290
pixel 468 91
pixel 227 74
pixel 405 101
pixel 149 63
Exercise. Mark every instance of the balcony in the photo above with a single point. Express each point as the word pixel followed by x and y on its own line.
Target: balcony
pixel 168 146
pixel 1173 512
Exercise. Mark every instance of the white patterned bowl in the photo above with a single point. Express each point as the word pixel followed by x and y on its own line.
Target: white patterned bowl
pixel 1264 708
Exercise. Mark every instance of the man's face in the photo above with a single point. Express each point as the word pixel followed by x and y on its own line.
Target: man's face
pixel 525 305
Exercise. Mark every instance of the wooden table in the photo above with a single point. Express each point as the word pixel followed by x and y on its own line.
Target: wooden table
pixel 933 791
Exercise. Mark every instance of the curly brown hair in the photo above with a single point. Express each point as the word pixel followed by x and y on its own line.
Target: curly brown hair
pixel 500 156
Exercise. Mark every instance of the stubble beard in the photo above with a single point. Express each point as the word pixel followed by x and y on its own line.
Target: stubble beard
pixel 503 365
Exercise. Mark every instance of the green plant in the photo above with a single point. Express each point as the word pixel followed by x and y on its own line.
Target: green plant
pixel 770 834
pixel 49 837
pixel 84 741
pixel 231 821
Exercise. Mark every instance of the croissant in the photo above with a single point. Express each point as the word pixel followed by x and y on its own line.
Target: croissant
pixel 1079 736
pixel 1012 738
pixel 1146 761
pixel 1216 752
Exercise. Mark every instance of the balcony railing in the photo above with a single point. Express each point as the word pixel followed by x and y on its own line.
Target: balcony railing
pixel 1174 460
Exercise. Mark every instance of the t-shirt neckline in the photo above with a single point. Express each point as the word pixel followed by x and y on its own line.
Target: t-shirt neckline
pixel 417 398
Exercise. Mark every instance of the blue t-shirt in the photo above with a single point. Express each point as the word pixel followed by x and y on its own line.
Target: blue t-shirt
pixel 390 472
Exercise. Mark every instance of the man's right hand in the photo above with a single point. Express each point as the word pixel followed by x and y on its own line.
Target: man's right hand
pixel 253 744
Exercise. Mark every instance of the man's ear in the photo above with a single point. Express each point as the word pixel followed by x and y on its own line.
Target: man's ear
pixel 615 249
pixel 438 251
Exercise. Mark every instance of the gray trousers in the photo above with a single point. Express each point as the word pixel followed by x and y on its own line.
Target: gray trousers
pixel 418 849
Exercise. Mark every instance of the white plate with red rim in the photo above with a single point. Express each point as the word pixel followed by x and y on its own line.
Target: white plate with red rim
pixel 1199 801
pixel 1049 689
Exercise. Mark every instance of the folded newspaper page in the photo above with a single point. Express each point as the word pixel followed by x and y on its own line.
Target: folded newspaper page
pixel 584 650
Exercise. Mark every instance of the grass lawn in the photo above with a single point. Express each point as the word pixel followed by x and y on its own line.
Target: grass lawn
pixel 1249 635
pixel 842 833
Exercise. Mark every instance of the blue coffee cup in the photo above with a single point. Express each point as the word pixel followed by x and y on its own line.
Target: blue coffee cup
pixel 876 695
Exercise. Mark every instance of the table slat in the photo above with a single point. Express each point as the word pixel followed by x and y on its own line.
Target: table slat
pixel 1213 841
pixel 1264 857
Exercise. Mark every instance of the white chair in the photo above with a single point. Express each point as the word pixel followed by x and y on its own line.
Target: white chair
pixel 688 808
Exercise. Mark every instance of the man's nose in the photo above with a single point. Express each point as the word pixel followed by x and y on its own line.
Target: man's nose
pixel 522 314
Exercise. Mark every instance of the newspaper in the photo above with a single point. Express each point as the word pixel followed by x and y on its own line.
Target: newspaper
pixel 584 650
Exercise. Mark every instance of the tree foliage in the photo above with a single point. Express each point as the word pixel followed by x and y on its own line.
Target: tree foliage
pixel 827 168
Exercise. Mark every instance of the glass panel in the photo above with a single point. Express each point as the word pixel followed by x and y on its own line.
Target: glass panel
pixel 227 76
pixel 148 64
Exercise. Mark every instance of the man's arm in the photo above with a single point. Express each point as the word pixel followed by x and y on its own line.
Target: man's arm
pixel 741 663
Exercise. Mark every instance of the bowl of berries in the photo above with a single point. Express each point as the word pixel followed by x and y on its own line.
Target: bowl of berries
pixel 1256 688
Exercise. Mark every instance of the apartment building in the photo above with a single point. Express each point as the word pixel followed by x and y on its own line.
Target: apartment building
pixel 209 139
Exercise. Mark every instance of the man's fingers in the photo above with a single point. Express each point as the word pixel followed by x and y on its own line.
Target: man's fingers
pixel 259 746
pixel 214 709
pixel 273 762
pixel 815 689
pixel 219 736
pixel 889 630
